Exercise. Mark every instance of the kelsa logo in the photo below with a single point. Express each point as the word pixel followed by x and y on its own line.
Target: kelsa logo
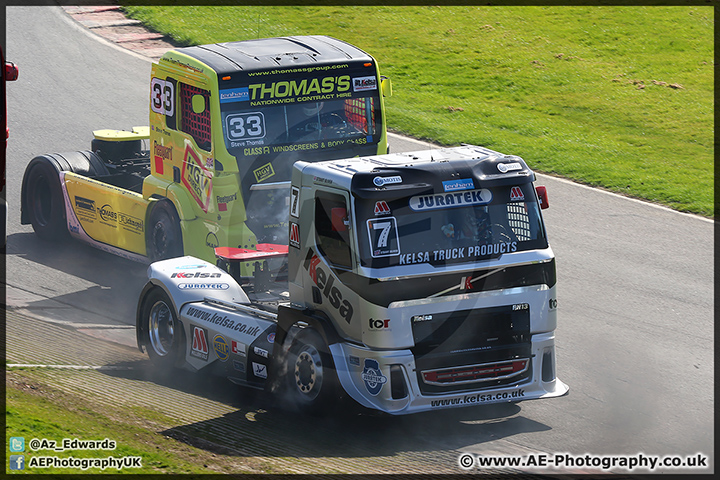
pixel 197 178
pixel 326 284
pixel 264 172
pixel 373 377
pixel 221 347
pixel 195 275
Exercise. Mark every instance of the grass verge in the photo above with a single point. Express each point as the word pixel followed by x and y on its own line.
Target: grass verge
pixel 614 97
pixel 35 410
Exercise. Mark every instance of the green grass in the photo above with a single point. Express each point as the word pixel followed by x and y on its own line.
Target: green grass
pixel 614 97
pixel 36 411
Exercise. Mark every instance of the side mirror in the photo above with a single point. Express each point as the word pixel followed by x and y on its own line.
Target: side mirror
pixel 542 197
pixel 385 86
pixel 11 72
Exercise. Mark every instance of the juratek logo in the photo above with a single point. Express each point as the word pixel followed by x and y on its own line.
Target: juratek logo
pixel 373 376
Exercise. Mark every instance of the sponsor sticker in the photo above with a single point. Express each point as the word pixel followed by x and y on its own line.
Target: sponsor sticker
pixel 264 172
pixel 380 181
pixel 294 235
pixel 455 185
pixel 271 337
pixel 162 153
pixel 131 224
pixel 295 201
pixel 375 324
pixel 509 167
pixel 222 201
pixel 237 348
pixel 516 194
pixel 383 234
pixel 211 240
pixel 108 216
pixel 199 347
pixel 373 377
pixel 259 370
pixel 260 352
pixel 381 208
pixel 85 208
pixel 467 198
pixel 361 84
pixel 195 275
pixel 228 95
pixel 197 178
pixel 221 347
pixel 203 286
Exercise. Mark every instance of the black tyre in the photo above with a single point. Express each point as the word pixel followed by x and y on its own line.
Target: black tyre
pixel 162 331
pixel 312 384
pixel 164 236
pixel 44 201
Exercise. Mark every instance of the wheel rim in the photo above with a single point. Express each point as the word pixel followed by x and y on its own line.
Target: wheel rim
pixel 160 240
pixel 308 372
pixel 161 328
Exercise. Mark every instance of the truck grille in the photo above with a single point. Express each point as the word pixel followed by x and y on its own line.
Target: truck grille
pixel 472 349
pixel 476 373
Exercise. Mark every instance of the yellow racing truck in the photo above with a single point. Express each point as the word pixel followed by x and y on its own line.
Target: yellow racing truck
pixel 227 123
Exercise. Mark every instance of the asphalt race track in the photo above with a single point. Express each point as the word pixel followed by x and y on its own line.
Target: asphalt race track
pixel 635 281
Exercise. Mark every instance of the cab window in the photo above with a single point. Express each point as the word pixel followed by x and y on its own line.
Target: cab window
pixel 331 227
pixel 195 114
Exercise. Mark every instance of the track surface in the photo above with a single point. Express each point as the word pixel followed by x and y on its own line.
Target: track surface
pixel 635 340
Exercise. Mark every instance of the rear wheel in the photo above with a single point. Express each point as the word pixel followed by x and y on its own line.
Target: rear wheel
pixel 44 201
pixel 163 336
pixel 164 234
pixel 311 379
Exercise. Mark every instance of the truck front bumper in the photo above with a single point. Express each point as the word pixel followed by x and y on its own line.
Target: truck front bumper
pixel 388 380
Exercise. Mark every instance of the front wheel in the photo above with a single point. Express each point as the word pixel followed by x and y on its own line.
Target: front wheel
pixel 164 234
pixel 311 379
pixel 162 331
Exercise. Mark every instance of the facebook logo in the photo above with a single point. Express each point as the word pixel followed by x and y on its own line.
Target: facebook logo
pixel 17 462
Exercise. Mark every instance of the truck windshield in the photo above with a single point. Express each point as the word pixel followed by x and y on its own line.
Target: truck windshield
pixel 311 111
pixel 449 228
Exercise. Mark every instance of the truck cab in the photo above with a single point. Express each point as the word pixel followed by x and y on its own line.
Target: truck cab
pixel 227 122
pixel 434 270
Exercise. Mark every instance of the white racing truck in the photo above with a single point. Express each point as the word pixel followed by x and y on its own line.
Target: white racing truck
pixel 410 282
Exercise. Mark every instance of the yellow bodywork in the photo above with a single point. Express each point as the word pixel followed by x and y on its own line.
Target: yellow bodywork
pixel 108 214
